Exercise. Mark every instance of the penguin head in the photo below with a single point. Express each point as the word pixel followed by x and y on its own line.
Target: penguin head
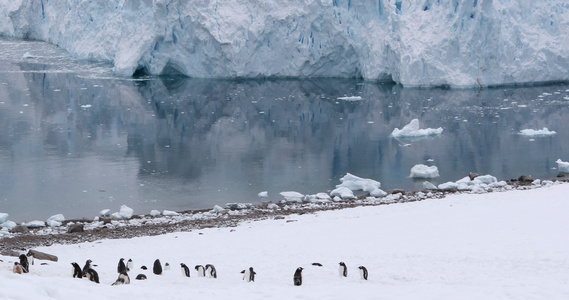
pixel 361 267
pixel 342 264
pixel 299 268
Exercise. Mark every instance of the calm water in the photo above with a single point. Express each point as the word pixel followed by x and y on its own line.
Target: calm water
pixel 75 140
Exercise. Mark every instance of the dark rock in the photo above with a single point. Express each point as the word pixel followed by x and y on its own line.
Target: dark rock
pixel 10 253
pixel 41 255
pixel 20 229
pixel 396 191
pixel 560 175
pixel 525 178
pixel 105 220
pixel 75 228
pixel 473 175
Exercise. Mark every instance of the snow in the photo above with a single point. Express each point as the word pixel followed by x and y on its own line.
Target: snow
pixel 423 171
pixel 562 166
pixel 414 43
pixel 465 246
pixel 540 132
pixel 412 130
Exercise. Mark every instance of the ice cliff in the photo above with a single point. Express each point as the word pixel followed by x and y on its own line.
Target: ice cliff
pixel 415 42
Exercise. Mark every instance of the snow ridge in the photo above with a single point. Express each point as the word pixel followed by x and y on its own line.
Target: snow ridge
pixel 415 43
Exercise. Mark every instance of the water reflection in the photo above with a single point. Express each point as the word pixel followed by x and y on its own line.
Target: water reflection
pixel 77 144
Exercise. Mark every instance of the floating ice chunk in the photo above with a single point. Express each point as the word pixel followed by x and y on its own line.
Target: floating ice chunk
pixel 562 166
pixel 105 212
pixel 412 130
pixel 356 183
pixel 264 194
pixel 378 193
pixel 35 224
pixel 292 196
pixel 350 98
pixel 170 213
pixel 429 186
pixel 540 132
pixel 55 220
pixel 124 213
pixel 3 217
pixel 28 55
pixel 9 225
pixel 154 213
pixel 423 171
pixel 342 192
pixel 86 106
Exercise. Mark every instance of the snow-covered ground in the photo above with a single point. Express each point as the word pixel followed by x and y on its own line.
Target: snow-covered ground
pixel 507 245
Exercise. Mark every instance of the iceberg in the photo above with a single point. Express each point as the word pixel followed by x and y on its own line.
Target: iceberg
pixel 124 213
pixel 562 166
pixel 540 132
pixel 412 130
pixel 423 171
pixel 356 183
pixel 414 43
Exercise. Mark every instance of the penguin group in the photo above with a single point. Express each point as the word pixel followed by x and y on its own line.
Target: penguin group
pixel 343 271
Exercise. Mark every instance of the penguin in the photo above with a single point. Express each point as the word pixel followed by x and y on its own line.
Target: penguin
pixel 123 279
pixel 92 275
pixel 298 276
pixel 17 268
pixel 141 277
pixel 157 267
pixel 249 275
pixel 166 266
pixel 185 270
pixel 121 268
pixel 317 264
pixel 343 269
pixel 24 263
pixel 86 267
pixel 129 265
pixel 201 270
pixel 30 258
pixel 210 271
pixel 77 272
pixel 144 268
pixel 363 272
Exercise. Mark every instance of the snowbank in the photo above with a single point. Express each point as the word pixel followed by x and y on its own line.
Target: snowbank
pixel 480 255
pixel 412 130
pixel 415 43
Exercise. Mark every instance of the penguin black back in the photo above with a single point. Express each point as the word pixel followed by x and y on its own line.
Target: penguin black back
pixel 298 276
pixel 77 272
pixel 123 279
pixel 92 275
pixel 363 272
pixel 210 270
pixel 252 274
pixel 343 269
pixel 86 267
pixel 185 270
pixel 201 270
pixel 141 277
pixel 157 269
pixel 24 263
pixel 121 268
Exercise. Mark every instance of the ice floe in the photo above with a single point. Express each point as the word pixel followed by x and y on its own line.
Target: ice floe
pixel 562 166
pixel 424 171
pixel 539 132
pixel 412 130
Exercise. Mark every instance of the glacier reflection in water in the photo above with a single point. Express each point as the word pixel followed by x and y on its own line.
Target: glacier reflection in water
pixel 74 143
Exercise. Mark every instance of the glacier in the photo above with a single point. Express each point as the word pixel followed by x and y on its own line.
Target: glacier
pixel 416 43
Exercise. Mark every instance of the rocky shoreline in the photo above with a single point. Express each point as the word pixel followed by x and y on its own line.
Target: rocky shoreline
pixel 91 231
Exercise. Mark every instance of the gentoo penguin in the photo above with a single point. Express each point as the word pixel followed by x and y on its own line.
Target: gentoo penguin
pixel 17 268
pixel 166 266
pixel 24 263
pixel 129 265
pixel 249 275
pixel 141 277
pixel 86 267
pixel 77 272
pixel 317 264
pixel 123 279
pixel 121 268
pixel 144 268
pixel 343 269
pixel 298 276
pixel 201 270
pixel 92 275
pixel 157 267
pixel 210 271
pixel 363 272
pixel 185 270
